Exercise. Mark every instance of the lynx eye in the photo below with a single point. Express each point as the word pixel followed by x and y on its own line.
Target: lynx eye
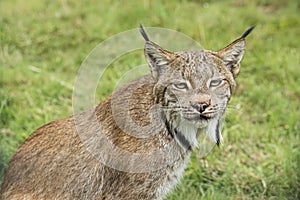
pixel 215 83
pixel 180 86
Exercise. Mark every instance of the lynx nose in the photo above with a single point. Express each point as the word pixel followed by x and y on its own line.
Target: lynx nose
pixel 200 106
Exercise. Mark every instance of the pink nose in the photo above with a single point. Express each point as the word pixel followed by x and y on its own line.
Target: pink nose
pixel 200 106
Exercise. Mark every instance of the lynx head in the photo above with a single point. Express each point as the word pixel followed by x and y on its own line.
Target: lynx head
pixel 194 87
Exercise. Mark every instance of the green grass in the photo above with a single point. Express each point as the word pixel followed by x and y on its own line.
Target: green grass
pixel 43 44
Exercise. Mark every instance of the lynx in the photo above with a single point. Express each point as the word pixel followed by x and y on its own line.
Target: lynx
pixel 185 95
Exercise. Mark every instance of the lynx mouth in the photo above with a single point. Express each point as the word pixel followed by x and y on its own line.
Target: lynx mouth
pixel 201 120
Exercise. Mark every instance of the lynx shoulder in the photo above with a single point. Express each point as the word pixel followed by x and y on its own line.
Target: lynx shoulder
pixel 136 143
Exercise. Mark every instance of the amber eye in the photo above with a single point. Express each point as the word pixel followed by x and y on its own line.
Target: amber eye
pixel 180 86
pixel 215 83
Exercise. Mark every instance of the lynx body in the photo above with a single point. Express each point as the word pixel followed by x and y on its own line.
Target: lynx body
pixel 187 92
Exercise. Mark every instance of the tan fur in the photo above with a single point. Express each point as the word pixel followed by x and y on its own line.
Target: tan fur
pixel 62 160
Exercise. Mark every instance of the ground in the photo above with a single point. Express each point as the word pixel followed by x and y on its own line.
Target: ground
pixel 43 44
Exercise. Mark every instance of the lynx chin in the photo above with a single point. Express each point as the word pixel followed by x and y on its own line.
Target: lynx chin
pixel 185 95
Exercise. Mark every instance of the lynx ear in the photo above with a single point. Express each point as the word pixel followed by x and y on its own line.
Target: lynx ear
pixel 233 53
pixel 156 56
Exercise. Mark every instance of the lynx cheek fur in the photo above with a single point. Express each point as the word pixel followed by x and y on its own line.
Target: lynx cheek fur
pixel 190 92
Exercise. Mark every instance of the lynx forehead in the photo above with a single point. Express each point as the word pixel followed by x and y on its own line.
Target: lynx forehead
pixel 199 66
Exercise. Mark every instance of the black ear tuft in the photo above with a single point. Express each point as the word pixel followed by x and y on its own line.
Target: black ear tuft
pixel 144 34
pixel 248 32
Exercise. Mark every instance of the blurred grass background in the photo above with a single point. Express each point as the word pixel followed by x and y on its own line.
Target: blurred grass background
pixel 43 44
